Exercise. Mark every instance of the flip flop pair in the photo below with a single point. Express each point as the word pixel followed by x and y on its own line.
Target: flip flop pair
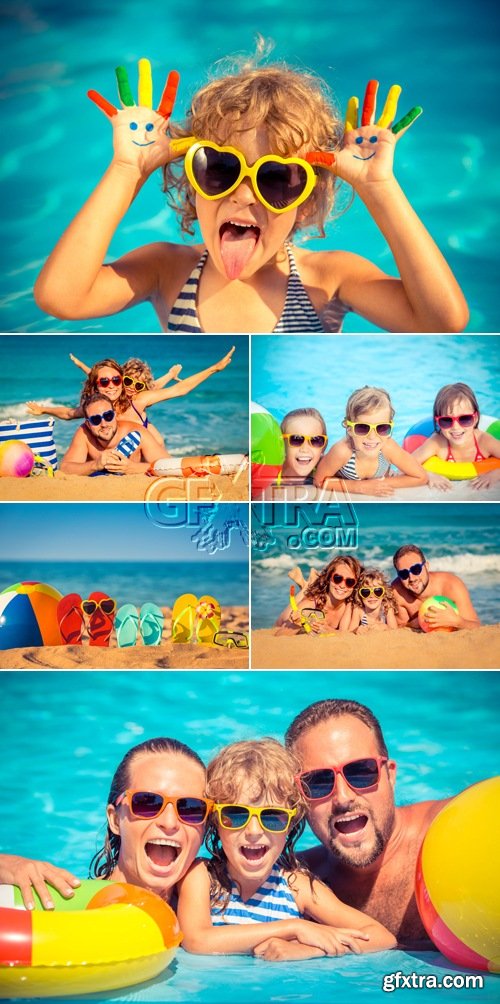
pixel 100 610
pixel 195 619
pixel 129 622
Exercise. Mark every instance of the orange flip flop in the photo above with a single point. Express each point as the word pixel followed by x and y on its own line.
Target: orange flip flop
pixel 100 609
pixel 70 619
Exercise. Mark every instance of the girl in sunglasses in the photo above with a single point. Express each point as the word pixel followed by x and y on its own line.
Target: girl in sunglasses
pixel 373 606
pixel 257 161
pixel 457 438
pixel 127 389
pixel 305 438
pixel 253 890
pixel 324 600
pixel 367 452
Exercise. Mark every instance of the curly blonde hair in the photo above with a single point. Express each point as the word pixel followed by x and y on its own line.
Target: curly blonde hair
pixel 269 769
pixel 91 386
pixel 139 370
pixel 319 589
pixel 367 399
pixel 372 577
pixel 297 111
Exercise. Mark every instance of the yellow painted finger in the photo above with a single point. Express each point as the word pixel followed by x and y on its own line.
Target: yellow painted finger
pixel 351 117
pixel 145 89
pixel 390 108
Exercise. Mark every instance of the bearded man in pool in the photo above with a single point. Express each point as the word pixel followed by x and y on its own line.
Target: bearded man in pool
pixel 415 583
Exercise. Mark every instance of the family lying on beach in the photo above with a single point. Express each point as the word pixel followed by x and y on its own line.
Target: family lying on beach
pixel 367 456
pixel 116 436
pixel 354 892
pixel 345 596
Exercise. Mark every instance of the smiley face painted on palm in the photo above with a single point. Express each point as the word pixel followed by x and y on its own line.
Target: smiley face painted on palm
pixel 142 130
pixel 364 144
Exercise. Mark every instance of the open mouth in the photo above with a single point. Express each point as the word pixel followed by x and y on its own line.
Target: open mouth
pixel 253 853
pixel 237 245
pixel 351 824
pixel 162 852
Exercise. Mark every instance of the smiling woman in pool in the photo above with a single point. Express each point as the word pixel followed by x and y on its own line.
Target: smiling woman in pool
pixel 329 593
pixel 156 814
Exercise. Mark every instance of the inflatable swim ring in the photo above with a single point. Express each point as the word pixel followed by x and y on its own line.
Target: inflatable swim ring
pixel 422 430
pixel 268 448
pixel 458 879
pixel 187 467
pixel 434 601
pixel 108 935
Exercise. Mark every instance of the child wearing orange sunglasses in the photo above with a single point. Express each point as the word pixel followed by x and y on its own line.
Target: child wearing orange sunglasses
pixel 373 605
pixel 258 159
pixel 254 888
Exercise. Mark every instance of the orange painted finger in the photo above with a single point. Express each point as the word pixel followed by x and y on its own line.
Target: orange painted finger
pixel 321 158
pixel 369 103
pixel 169 95
pixel 102 103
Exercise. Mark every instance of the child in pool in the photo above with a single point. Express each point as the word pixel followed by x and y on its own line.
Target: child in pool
pixel 374 607
pixel 246 275
pixel 304 434
pixel 254 889
pixel 120 383
pixel 366 453
pixel 457 438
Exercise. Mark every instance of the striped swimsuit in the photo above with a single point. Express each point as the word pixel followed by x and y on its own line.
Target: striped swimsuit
pixel 298 312
pixel 272 901
pixel 348 471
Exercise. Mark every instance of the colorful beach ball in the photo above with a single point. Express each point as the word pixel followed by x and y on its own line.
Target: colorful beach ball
pixel 28 615
pixel 458 878
pixel 268 450
pixel 16 459
pixel 434 601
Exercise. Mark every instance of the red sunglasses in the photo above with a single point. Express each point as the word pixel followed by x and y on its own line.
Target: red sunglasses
pixel 464 421
pixel 360 775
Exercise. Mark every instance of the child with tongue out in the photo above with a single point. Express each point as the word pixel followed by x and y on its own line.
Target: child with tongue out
pixel 253 890
pixel 263 148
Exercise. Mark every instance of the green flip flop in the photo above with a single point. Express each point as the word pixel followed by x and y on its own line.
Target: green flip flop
pixel 151 623
pixel 126 626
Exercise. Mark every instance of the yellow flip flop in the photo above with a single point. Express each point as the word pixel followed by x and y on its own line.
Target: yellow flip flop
pixel 183 615
pixel 208 615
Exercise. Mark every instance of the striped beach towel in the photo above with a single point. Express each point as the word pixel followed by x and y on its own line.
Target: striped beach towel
pixel 37 433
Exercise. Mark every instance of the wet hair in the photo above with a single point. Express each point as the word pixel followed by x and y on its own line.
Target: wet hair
pixel 446 397
pixel 367 399
pixel 296 109
pixel 269 769
pixel 91 386
pixel 367 578
pixel 105 860
pixel 322 711
pixel 304 413
pixel 319 589
pixel 139 370
pixel 92 399
pixel 407 549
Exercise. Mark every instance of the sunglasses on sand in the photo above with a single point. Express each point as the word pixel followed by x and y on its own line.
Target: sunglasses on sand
pixel 296 440
pixel 464 421
pixel 274 819
pixel 115 381
pixel 136 384
pixel 95 420
pixel 280 183
pixel 404 573
pixel 149 804
pixel 382 429
pixel 360 775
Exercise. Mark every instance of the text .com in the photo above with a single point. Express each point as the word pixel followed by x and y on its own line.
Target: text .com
pixel 430 981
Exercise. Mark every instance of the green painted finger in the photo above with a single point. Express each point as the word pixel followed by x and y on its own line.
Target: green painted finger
pixel 407 119
pixel 124 91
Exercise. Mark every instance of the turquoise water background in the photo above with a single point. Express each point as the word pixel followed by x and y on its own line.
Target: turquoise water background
pixel 212 418
pixel 322 373
pixel 63 734
pixel 58 144
pixel 457 537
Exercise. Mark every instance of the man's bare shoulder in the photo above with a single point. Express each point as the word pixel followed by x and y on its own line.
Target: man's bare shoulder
pixel 416 818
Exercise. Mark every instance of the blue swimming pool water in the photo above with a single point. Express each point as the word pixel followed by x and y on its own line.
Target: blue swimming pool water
pixel 58 143
pixel 62 735
pixel 460 538
pixel 213 418
pixel 322 374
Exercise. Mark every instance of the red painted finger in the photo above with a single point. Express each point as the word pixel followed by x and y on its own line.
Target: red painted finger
pixel 369 102
pixel 169 95
pixel 102 103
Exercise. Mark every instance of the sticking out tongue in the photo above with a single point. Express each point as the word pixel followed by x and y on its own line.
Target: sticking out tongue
pixel 253 853
pixel 237 244
pixel 351 825
pixel 161 854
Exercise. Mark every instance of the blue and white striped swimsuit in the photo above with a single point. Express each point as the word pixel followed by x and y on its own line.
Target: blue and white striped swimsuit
pixel 348 471
pixel 272 901
pixel 298 313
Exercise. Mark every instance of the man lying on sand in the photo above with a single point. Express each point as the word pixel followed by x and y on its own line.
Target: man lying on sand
pixel 415 582
pixel 92 447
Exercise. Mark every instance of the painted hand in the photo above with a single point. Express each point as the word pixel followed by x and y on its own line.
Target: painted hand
pixel 140 135
pixel 368 151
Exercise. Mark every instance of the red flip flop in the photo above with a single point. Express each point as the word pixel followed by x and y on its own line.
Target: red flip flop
pixel 100 621
pixel 70 619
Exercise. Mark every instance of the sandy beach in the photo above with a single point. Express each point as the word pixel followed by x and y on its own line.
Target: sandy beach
pixel 401 649
pixel 128 488
pixel 165 656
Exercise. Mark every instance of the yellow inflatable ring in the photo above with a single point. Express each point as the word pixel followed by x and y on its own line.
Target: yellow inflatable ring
pixel 108 935
pixel 421 431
